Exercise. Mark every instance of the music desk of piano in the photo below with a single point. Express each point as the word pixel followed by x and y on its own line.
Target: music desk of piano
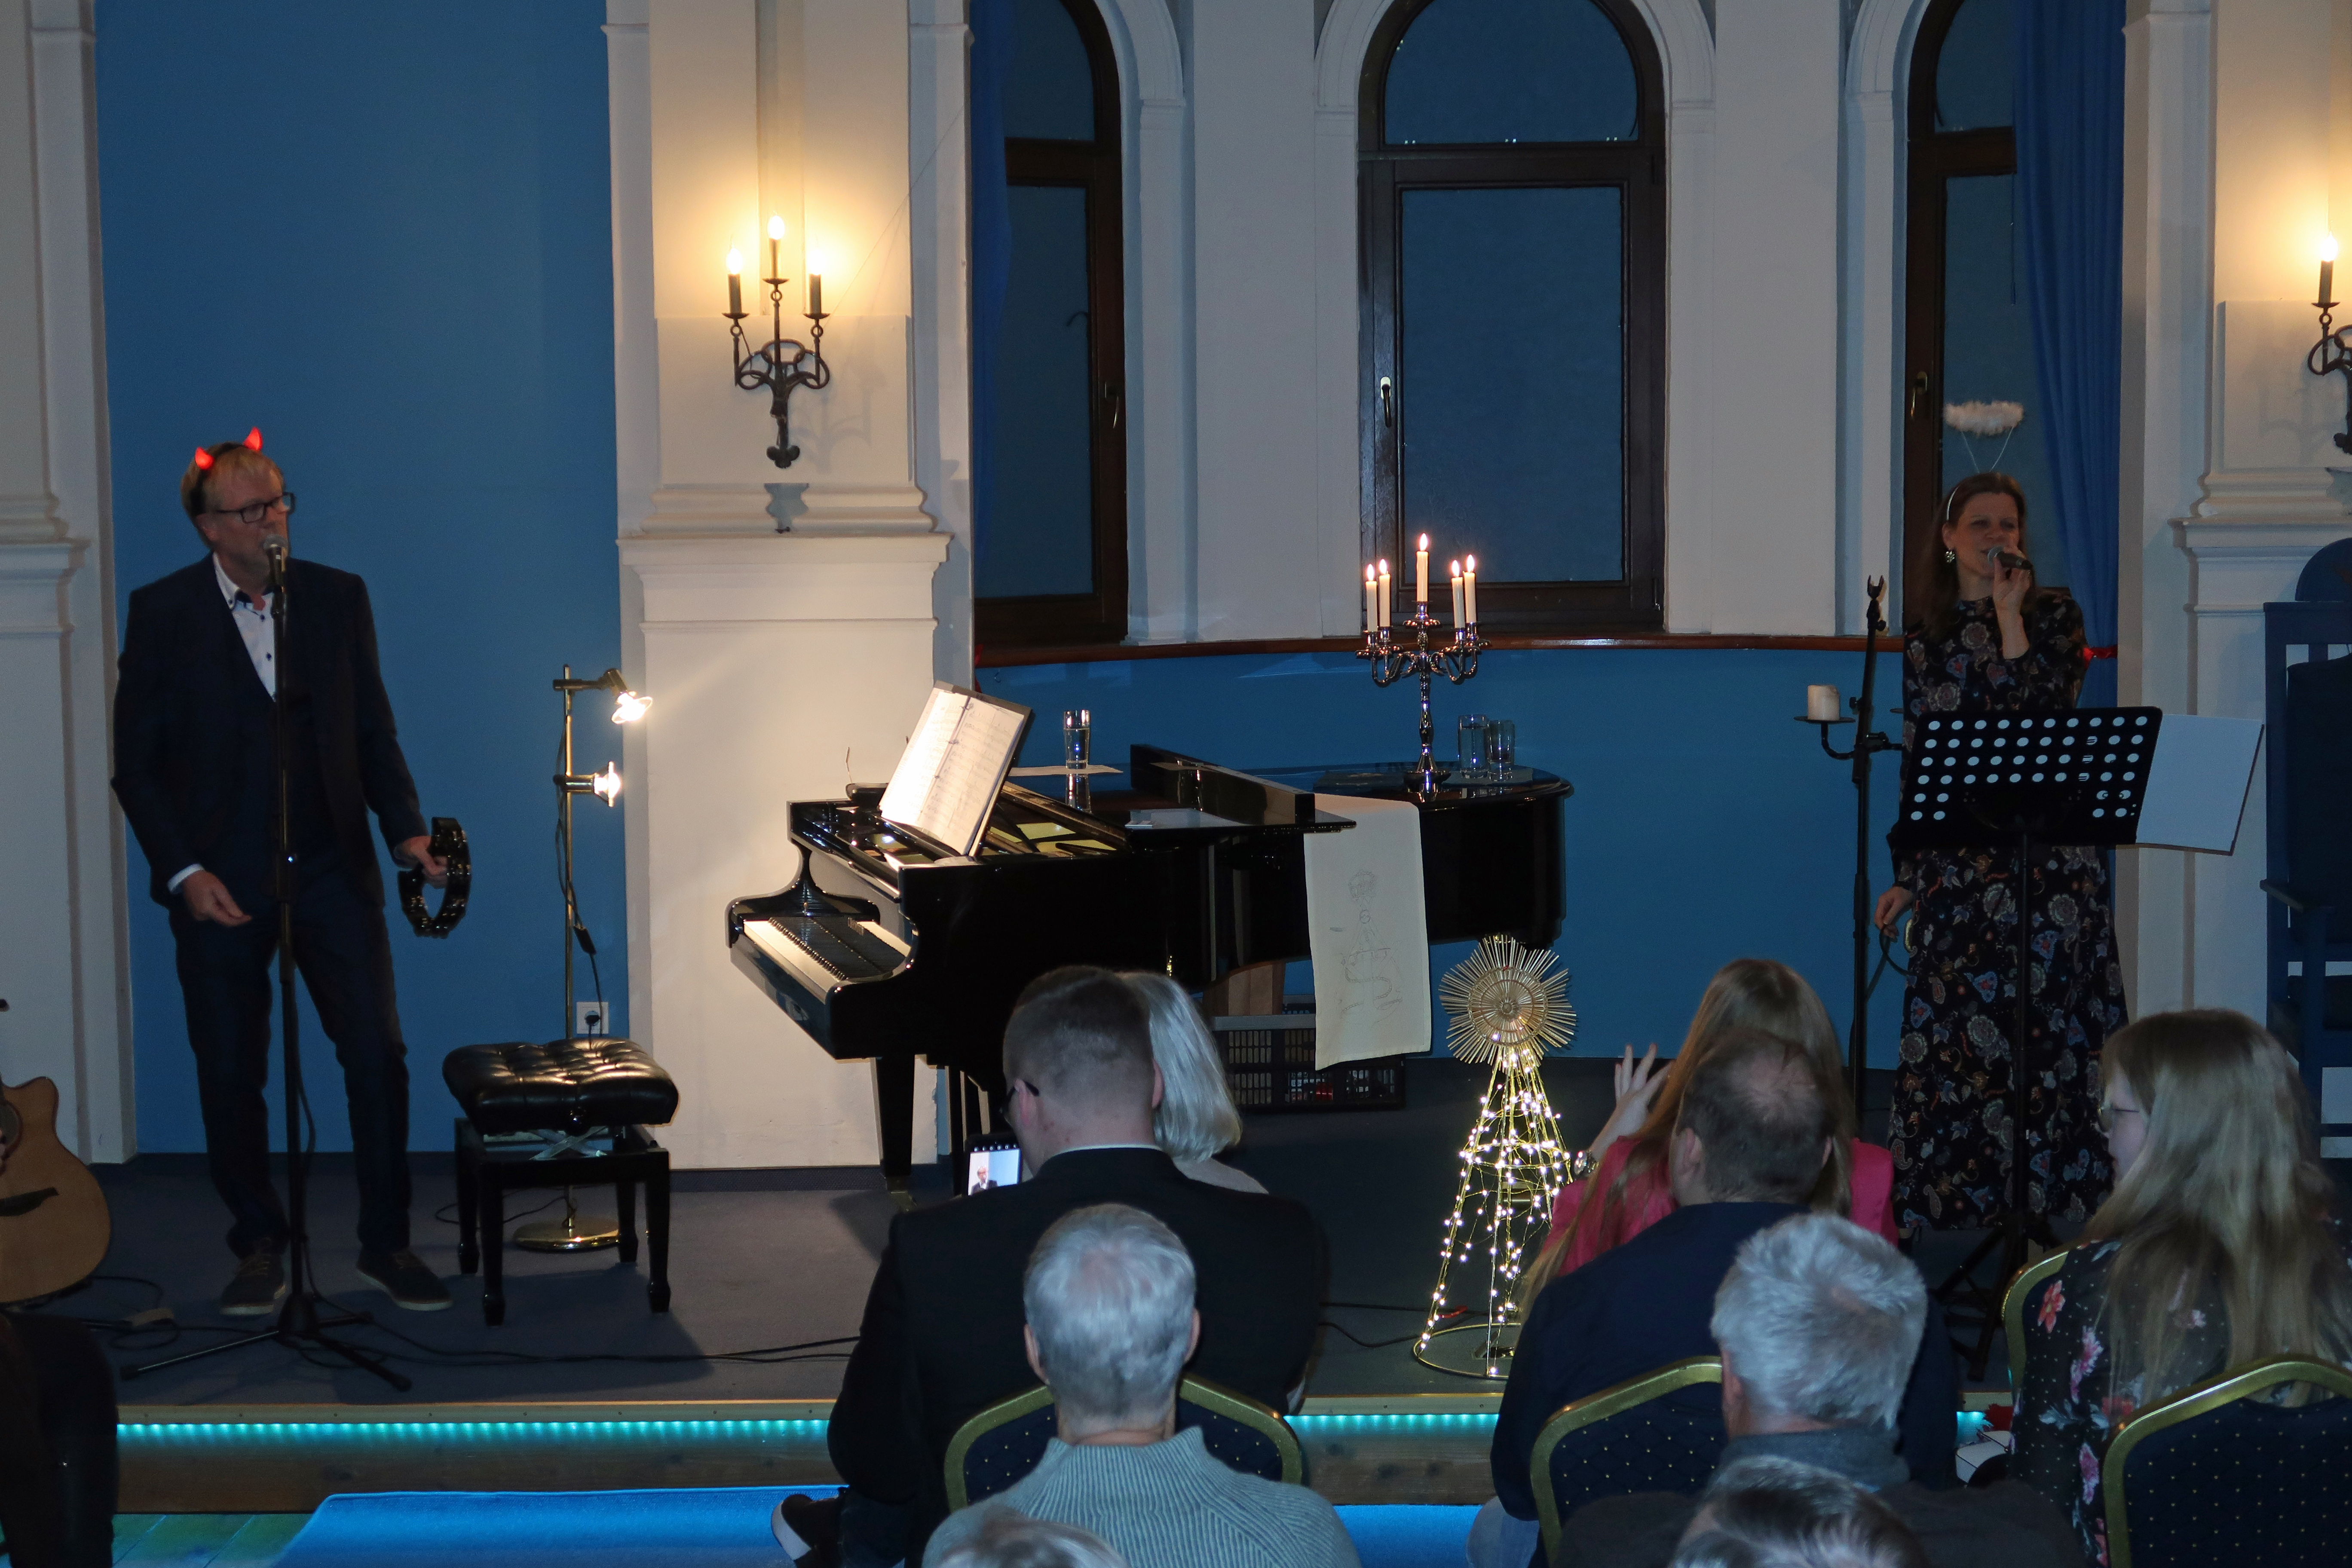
pixel 888 944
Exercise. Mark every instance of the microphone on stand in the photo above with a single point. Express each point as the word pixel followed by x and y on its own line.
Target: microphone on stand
pixel 274 547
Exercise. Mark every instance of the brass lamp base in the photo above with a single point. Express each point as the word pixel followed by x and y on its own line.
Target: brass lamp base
pixel 570 1234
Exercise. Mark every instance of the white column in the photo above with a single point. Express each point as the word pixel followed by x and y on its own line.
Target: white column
pixel 939 216
pixel 62 926
pixel 784 620
pixel 2268 500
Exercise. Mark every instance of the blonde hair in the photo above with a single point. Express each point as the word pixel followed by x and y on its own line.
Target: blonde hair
pixel 1196 1120
pixel 2226 1206
pixel 1745 994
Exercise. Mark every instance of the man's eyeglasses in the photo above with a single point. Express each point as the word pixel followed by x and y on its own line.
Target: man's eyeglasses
pixel 2107 1114
pixel 254 514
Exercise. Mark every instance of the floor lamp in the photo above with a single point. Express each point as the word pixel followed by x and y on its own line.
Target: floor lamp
pixel 571 1233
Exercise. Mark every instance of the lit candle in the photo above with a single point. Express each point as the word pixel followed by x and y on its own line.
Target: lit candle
pixel 1821 705
pixel 775 238
pixel 2328 270
pixel 1420 571
pixel 1384 592
pixel 1470 587
pixel 1371 605
pixel 1455 567
pixel 734 282
pixel 817 295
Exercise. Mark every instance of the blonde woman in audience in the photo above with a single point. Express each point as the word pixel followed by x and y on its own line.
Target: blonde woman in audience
pixel 2221 1244
pixel 1625 1191
pixel 1195 1121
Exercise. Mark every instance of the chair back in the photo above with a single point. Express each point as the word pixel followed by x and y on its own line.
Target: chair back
pixel 1634 1437
pixel 1005 1441
pixel 2013 1302
pixel 2210 1475
pixel 2307 698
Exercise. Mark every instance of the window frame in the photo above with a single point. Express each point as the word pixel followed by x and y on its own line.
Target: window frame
pixel 1053 620
pixel 1934 158
pixel 1636 602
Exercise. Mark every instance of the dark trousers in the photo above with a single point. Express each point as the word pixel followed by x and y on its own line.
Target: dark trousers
pixel 58 1467
pixel 344 956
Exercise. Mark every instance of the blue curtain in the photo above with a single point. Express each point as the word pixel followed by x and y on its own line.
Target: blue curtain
pixel 2070 201
pixel 991 244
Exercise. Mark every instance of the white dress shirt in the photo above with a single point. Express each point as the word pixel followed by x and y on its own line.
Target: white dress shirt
pixel 260 646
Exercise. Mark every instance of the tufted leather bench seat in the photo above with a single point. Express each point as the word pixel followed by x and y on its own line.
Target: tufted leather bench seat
pixel 575 1087
pixel 564 1086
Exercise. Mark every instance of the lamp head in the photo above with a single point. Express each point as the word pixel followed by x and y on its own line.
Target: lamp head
pixel 608 785
pixel 628 707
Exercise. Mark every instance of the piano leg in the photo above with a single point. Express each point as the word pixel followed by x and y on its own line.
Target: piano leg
pixel 894 1115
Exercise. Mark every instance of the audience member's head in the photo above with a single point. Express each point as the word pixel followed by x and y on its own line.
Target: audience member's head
pixel 1196 1120
pixel 1756 1124
pixel 1077 1063
pixel 1819 1322
pixel 1748 993
pixel 1010 1539
pixel 2220 1204
pixel 1776 1513
pixel 1111 1323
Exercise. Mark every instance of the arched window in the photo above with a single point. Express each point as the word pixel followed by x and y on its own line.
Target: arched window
pixel 1513 172
pixel 1967 336
pixel 1049 558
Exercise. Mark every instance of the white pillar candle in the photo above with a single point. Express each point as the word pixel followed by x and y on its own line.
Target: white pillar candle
pixel 1455 566
pixel 1420 571
pixel 1822 704
pixel 1371 605
pixel 1470 588
pixel 1385 591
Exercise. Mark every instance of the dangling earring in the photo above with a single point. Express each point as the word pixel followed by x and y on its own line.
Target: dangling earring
pixel 1949 557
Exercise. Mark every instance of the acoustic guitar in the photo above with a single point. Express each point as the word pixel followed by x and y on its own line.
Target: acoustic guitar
pixel 54 1227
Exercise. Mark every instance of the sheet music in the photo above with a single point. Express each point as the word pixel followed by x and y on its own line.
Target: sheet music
pixel 947 778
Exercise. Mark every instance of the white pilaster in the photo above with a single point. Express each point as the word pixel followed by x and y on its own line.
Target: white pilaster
pixel 62 928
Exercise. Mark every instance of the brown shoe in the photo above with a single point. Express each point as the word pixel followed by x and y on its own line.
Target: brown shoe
pixel 257 1286
pixel 403 1277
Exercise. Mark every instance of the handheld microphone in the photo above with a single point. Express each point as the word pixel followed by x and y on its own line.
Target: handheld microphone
pixel 2009 558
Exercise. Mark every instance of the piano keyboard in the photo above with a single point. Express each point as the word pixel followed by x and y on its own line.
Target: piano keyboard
pixel 844 948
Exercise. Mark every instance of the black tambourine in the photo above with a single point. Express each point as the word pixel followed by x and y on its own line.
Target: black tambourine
pixel 450 845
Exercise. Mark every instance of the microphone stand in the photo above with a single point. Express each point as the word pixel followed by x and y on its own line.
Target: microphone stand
pixel 1867 744
pixel 299 1322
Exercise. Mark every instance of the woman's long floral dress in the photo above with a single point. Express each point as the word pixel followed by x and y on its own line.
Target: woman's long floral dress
pixel 1951 1132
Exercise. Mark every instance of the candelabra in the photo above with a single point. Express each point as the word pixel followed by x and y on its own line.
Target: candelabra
pixel 1456 659
pixel 2331 355
pixel 781 366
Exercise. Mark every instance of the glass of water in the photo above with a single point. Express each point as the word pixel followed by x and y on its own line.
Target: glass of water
pixel 1078 737
pixel 1502 746
pixel 1471 746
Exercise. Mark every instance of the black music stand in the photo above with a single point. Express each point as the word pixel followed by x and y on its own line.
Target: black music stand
pixel 299 1322
pixel 2073 776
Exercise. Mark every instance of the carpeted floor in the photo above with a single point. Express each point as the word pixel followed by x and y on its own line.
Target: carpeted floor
pixel 685 1529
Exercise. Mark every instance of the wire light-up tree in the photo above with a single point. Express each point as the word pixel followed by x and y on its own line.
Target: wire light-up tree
pixel 1509 1006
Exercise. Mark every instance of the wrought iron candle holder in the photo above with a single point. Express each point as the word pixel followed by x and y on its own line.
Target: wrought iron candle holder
pixel 2331 355
pixel 781 365
pixel 1456 659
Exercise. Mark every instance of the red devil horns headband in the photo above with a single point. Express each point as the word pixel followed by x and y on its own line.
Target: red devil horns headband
pixel 204 458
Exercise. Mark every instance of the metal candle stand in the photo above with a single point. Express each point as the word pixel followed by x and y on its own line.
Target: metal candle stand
pixel 775 367
pixel 1457 660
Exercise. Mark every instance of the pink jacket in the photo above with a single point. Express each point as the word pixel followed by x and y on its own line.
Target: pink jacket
pixel 1648 1201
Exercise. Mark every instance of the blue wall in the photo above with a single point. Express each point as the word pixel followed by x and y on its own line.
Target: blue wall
pixel 1706 824
pixel 386 241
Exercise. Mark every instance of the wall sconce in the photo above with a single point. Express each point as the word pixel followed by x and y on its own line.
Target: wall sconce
pixel 2331 355
pixel 777 367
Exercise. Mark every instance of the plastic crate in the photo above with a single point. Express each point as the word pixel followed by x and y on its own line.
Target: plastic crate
pixel 1269 1067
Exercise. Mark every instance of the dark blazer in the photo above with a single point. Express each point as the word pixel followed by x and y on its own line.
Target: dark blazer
pixel 1646 1302
pixel 180 769
pixel 941 1337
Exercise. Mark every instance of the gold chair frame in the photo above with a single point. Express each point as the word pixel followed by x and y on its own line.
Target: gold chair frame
pixel 2012 1317
pixel 2197 1399
pixel 1199 1391
pixel 1580 1412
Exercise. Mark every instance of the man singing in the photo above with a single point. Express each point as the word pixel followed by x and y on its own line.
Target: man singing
pixel 196 771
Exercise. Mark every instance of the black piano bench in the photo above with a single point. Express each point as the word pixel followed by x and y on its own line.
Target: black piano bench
pixel 531 1111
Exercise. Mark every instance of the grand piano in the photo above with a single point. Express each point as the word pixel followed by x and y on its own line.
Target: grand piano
pixel 888 944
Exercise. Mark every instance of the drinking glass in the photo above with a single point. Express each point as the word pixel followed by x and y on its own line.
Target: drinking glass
pixel 1471 757
pixel 1077 736
pixel 1502 746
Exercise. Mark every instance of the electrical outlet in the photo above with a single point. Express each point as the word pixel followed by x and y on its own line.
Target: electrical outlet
pixel 590 1019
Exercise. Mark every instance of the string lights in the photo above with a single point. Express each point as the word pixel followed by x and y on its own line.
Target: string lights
pixel 1509 1006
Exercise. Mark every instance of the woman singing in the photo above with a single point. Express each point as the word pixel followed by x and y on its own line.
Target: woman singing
pixel 1984 639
